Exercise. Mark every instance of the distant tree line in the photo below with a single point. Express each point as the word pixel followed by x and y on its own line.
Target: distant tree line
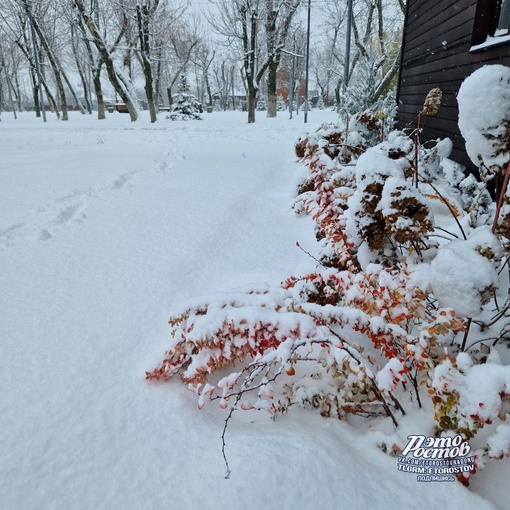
pixel 83 52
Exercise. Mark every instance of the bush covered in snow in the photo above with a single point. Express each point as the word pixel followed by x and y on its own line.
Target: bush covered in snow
pixel 261 104
pixel 185 106
pixel 485 121
pixel 402 312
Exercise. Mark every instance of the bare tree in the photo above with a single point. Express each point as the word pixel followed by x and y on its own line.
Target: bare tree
pixel 279 15
pixel 224 72
pixel 240 22
pixel 183 43
pixel 93 56
pixel 120 82
pixel 32 26
pixel 9 68
pixel 144 12
pixel 376 29
pixel 79 62
pixel 16 27
pixel 204 59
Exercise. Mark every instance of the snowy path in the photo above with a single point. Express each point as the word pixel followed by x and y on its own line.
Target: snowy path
pixel 104 229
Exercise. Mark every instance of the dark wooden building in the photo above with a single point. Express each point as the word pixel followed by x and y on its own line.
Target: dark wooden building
pixel 444 42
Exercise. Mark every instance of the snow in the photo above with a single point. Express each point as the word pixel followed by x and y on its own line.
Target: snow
pixel 490 41
pixel 105 228
pixel 498 442
pixel 484 124
pixel 388 378
pixel 455 261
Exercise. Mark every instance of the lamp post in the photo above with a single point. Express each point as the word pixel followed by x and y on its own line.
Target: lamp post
pixel 347 49
pixel 307 61
pixel 292 81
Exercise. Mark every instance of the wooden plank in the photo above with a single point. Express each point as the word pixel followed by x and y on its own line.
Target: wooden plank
pixel 433 133
pixel 446 71
pixel 426 10
pixel 428 54
pixel 460 37
pixel 447 28
pixel 494 55
pixel 419 8
pixel 448 106
pixel 438 66
pixel 434 15
pixel 447 123
pixel 442 125
pixel 428 63
pixel 449 89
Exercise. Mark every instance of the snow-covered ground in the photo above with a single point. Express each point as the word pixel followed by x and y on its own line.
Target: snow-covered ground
pixel 105 229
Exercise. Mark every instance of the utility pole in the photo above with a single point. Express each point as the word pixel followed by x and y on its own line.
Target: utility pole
pixel 292 81
pixel 307 61
pixel 347 50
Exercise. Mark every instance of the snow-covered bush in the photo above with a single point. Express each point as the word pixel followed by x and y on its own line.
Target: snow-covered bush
pixel 408 267
pixel 485 125
pixel 280 104
pixel 364 90
pixel 485 121
pixel 185 106
pixel 261 104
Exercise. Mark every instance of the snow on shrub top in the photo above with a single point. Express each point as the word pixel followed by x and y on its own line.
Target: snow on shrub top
pixel 385 206
pixel 464 273
pixel 484 116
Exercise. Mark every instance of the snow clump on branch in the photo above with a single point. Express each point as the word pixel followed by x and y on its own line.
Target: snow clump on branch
pixel 485 121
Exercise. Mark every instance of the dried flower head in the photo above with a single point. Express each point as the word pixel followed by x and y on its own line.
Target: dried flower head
pixel 432 102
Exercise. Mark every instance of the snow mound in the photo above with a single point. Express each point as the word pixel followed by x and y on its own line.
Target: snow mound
pixel 463 274
pixel 484 116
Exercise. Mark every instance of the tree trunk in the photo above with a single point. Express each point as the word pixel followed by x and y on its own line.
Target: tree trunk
pixel 278 21
pixel 157 82
pixel 142 14
pixel 18 92
pixel 3 102
pixel 79 67
pixel 35 88
pixel 271 89
pixel 208 89
pixel 233 88
pixel 272 62
pixel 249 37
pixel 337 95
pixel 96 78
pixel 35 93
pixel 86 94
pixel 73 93
pixel 252 103
pixel 61 95
pixel 54 65
pixel 95 69
pixel 51 100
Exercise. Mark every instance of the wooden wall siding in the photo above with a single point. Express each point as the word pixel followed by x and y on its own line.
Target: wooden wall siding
pixel 435 53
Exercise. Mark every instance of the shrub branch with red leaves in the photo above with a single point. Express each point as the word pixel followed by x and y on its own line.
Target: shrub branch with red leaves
pixel 370 328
